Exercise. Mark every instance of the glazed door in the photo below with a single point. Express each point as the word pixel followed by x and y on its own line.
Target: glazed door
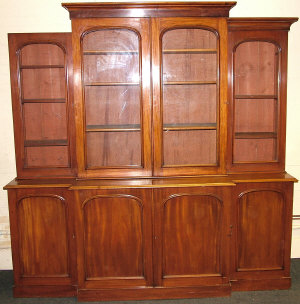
pixel 192 236
pixel 114 238
pixel 189 89
pixel 112 68
pixel 41 78
pixel 258 64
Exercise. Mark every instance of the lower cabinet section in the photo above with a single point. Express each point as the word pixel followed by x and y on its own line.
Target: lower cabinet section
pixel 150 242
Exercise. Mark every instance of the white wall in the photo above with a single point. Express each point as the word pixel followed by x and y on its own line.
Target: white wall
pixel 17 16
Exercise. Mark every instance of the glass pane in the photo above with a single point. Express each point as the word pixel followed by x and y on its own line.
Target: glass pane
pixel 190 97
pixel 43 92
pixel 111 78
pixel 45 121
pixel 50 156
pixel 113 149
pixel 190 147
pixel 256 77
pixel 256 68
pixel 43 83
pixel 42 54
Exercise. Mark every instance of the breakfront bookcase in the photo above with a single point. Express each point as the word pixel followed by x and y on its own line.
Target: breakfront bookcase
pixel 150 153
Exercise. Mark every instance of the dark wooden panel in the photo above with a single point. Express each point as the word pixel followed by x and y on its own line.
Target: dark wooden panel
pixel 261 230
pixel 191 237
pixel 43 236
pixel 113 235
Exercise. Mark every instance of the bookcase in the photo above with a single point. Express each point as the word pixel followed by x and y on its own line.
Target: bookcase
pixel 150 154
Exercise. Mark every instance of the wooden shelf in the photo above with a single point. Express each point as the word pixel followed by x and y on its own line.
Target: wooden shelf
pixel 193 126
pixel 255 135
pixel 46 100
pixel 190 51
pixel 113 128
pixel 46 142
pixel 189 82
pixel 255 97
pixel 23 67
pixel 96 84
pixel 108 52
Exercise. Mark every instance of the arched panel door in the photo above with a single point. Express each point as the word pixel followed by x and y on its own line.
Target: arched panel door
pixel 191 237
pixel 115 244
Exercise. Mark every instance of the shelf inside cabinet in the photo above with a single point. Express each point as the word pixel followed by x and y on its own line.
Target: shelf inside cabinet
pixel 255 135
pixel 191 126
pixel 96 84
pixel 190 51
pixel 45 142
pixel 189 82
pixel 110 52
pixel 113 128
pixel 256 97
pixel 44 66
pixel 44 100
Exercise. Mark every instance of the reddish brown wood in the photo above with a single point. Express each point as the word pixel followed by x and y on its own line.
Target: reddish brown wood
pixel 176 102
pixel 150 9
pixel 40 258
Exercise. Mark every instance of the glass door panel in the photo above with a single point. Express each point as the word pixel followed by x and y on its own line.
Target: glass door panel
pixel 190 97
pixel 43 98
pixel 256 74
pixel 112 98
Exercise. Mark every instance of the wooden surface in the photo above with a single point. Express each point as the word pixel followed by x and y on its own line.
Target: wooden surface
pixel 169 126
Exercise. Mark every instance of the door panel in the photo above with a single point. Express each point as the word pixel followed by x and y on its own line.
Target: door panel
pixel 115 238
pixel 263 231
pixel 190 233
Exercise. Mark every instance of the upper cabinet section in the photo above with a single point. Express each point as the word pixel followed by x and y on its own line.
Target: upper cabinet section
pixel 151 89
pixel 41 74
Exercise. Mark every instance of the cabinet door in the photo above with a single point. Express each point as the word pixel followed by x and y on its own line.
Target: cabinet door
pixel 42 242
pixel 192 235
pixel 189 89
pixel 114 238
pixel 41 78
pixel 112 96
pixel 258 64
pixel 262 236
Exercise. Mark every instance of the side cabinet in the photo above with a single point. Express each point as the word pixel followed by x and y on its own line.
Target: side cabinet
pixel 262 236
pixel 192 236
pixel 42 242
pixel 114 235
